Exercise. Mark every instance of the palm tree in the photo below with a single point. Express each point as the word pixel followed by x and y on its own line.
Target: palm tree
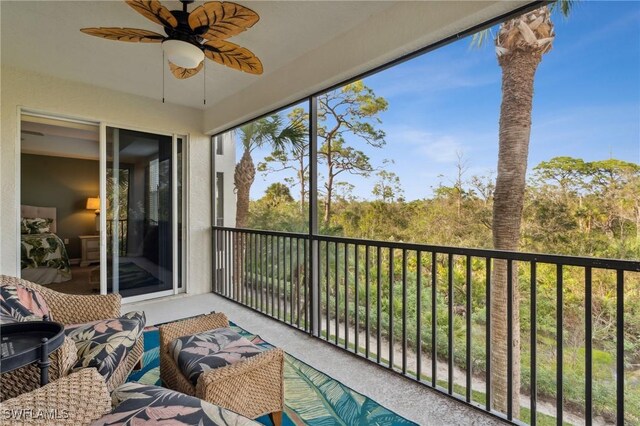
pixel 254 135
pixel 520 44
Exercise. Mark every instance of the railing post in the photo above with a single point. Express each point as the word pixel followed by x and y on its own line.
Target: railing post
pixel 314 258
pixel 214 221
pixel 620 347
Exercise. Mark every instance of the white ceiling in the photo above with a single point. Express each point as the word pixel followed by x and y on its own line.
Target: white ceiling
pixel 44 36
pixel 59 138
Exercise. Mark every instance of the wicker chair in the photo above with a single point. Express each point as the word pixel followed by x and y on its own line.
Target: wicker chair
pixel 77 399
pixel 68 309
pixel 252 387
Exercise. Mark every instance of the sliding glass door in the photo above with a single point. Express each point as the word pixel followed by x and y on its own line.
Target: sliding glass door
pixel 143 213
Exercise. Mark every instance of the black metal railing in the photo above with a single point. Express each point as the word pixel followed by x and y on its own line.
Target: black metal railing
pixel 123 232
pixel 265 271
pixel 428 312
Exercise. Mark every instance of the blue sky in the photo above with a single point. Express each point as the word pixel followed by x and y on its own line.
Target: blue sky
pixel 586 103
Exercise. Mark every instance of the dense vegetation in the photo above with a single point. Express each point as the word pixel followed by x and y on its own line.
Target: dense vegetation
pixel 572 207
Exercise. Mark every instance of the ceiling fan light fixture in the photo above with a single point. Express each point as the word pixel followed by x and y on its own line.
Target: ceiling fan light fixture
pixel 191 36
pixel 182 53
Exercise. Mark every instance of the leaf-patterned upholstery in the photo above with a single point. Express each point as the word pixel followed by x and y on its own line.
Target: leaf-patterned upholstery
pixel 145 404
pixel 105 344
pixel 252 387
pixel 212 349
pixel 18 303
pixel 69 309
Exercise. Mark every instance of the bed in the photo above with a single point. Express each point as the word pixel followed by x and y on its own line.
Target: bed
pixel 43 256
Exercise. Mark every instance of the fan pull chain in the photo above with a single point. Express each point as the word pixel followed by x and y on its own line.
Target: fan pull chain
pixel 163 67
pixel 204 82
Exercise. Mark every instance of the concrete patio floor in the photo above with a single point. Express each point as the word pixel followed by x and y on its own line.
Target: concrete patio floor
pixel 410 400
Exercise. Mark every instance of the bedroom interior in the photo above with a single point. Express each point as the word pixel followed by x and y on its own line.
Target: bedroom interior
pixel 59 173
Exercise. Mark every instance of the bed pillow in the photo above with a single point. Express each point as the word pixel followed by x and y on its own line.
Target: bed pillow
pixel 35 225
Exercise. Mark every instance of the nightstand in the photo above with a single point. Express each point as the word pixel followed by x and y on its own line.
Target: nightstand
pixel 90 249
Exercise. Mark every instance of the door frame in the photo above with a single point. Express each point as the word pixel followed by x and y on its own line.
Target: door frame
pixel 102 125
pixel 174 217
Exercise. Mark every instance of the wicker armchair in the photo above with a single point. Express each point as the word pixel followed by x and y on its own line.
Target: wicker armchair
pixel 78 399
pixel 252 387
pixel 68 309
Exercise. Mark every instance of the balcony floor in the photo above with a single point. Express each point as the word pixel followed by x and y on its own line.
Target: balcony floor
pixel 411 400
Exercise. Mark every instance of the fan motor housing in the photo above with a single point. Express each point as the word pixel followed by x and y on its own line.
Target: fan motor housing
pixel 183 31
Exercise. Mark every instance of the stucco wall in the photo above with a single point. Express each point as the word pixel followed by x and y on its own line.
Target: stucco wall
pixel 61 97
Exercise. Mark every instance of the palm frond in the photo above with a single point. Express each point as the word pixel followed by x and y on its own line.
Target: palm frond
pixel 480 38
pixel 563 6
pixel 273 131
pixel 295 133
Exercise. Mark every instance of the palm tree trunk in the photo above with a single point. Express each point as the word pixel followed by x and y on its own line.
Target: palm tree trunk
pixel 243 177
pixel 302 182
pixel 518 71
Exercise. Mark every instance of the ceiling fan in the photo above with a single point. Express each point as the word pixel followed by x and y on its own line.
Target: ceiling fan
pixel 192 36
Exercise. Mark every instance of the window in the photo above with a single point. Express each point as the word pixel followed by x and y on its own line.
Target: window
pixel 219 199
pixel 217 140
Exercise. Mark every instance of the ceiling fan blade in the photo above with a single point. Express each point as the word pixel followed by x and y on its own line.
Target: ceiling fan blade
pixel 233 56
pixel 223 19
pixel 125 34
pixel 153 10
pixel 183 73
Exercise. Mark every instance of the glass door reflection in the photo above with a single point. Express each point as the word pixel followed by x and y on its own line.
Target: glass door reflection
pixel 139 192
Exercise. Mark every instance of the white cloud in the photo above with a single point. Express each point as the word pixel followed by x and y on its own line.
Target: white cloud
pixel 439 148
pixel 442 149
pixel 428 75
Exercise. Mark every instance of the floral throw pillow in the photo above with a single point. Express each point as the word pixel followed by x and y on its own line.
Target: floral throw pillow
pixel 18 303
pixel 35 225
pixel 105 344
pixel 138 404
pixel 211 349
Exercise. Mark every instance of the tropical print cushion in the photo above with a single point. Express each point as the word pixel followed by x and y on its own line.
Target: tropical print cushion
pixel 105 344
pixel 19 303
pixel 35 225
pixel 211 349
pixel 145 404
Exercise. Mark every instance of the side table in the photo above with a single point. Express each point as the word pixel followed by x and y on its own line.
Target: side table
pixel 23 343
pixel 90 245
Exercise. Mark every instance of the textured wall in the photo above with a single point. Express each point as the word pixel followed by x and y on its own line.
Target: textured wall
pixel 66 98
pixel 64 183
